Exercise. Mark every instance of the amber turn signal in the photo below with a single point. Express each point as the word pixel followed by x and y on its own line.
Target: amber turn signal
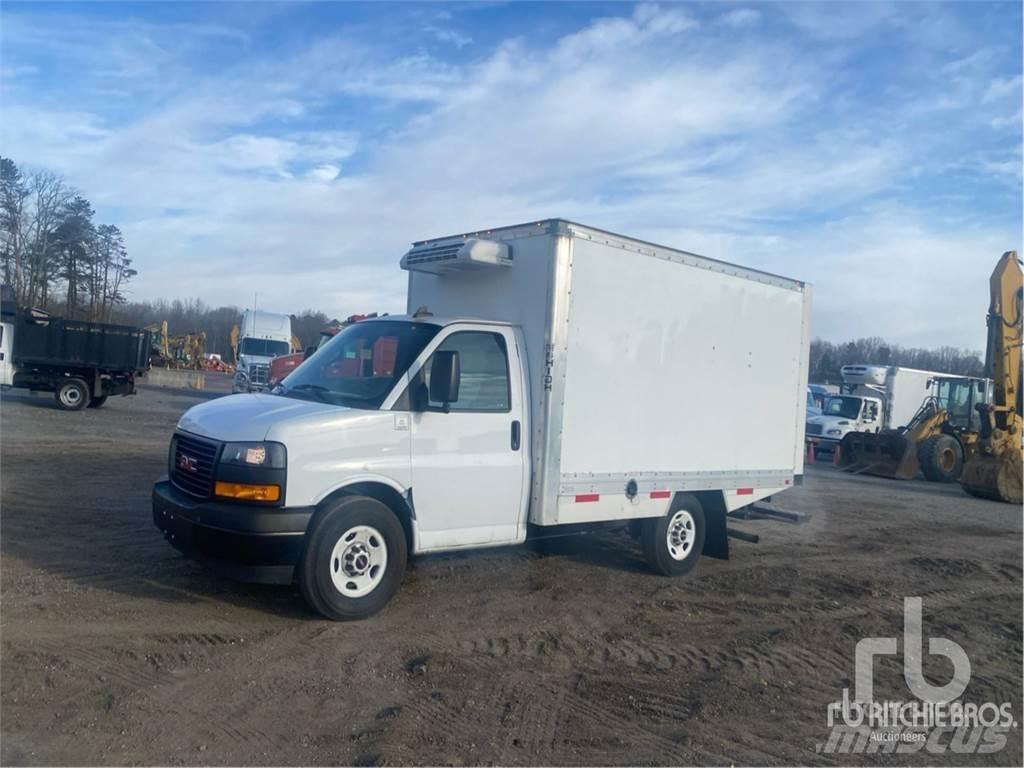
pixel 247 492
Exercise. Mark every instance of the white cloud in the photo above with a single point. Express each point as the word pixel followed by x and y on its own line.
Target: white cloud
pixel 741 17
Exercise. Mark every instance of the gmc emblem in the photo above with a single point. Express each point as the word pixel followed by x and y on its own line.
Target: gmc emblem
pixel 187 463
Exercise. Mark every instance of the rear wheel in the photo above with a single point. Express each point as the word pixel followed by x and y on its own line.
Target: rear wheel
pixel 72 394
pixel 941 458
pixel 672 544
pixel 97 402
pixel 354 559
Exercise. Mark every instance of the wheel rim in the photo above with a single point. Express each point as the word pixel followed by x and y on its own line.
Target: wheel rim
pixel 682 531
pixel 358 561
pixel 70 396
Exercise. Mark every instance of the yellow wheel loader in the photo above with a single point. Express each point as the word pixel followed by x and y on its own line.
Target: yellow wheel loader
pixel 937 441
pixel 996 469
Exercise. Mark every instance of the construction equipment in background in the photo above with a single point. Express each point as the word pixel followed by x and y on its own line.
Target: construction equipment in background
pixel 996 470
pixel 236 333
pixel 936 440
pixel 160 353
pixel 185 351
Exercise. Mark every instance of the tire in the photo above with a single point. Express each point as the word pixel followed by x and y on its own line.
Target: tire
pixel 941 458
pixel 72 395
pixel 97 402
pixel 672 544
pixel 360 534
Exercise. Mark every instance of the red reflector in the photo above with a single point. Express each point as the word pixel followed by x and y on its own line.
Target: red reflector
pixel 660 494
pixel 587 497
pixel 787 482
pixel 744 491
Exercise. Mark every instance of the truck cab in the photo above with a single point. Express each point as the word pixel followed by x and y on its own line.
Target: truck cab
pixel 263 337
pixel 841 415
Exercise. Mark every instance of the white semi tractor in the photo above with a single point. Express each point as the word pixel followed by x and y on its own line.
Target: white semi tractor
pixel 262 337
pixel 872 398
pixel 547 376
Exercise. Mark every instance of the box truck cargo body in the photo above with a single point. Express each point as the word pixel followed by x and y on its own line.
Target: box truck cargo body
pixel 546 375
pixel 644 361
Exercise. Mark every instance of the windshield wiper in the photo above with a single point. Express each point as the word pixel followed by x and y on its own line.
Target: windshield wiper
pixel 318 390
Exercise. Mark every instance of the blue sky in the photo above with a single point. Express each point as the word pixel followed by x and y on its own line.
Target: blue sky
pixel 872 149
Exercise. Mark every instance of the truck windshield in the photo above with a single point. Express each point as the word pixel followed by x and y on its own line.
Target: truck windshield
pixel 847 407
pixel 359 366
pixel 263 347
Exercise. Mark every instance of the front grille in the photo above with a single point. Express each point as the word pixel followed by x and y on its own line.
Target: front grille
pixel 193 461
pixel 259 374
pixel 814 429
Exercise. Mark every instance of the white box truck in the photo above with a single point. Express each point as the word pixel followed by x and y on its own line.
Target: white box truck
pixel 546 375
pixel 872 398
pixel 262 337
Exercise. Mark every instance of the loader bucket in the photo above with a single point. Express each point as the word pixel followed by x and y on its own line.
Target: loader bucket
pixel 885 454
pixel 997 477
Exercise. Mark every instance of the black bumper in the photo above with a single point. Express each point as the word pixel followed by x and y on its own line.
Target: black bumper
pixel 242 541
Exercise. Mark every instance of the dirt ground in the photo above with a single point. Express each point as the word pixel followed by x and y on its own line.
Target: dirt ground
pixel 115 650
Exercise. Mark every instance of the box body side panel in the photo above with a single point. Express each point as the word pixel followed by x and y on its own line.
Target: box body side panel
pixel 680 375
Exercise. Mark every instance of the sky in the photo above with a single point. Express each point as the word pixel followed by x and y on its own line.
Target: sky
pixel 295 150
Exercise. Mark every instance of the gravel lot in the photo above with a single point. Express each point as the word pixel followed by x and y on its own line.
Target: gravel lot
pixel 116 650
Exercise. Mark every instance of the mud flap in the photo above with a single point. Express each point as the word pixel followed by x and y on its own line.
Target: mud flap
pixel 716 538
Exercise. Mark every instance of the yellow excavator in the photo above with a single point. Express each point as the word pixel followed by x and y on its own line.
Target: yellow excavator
pixel 996 469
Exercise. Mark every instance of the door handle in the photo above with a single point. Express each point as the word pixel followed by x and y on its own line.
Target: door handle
pixel 516 429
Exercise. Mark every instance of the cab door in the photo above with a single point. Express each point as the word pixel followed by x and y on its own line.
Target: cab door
pixel 6 364
pixel 469 456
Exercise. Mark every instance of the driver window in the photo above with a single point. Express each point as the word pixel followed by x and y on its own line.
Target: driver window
pixel 870 411
pixel 483 372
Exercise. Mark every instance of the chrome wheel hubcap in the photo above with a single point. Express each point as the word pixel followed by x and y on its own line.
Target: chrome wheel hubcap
pixel 358 561
pixel 681 534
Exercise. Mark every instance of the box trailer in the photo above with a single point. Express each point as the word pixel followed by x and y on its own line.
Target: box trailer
pixel 82 363
pixel 547 376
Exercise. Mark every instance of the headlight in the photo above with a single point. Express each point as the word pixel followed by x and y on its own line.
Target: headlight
pixel 270 455
pixel 834 432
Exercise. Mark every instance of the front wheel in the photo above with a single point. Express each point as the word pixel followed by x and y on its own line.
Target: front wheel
pixel 672 544
pixel 72 394
pixel 941 458
pixel 354 559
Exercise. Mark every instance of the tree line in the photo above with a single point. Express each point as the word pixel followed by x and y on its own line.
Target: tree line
pixel 53 254
pixel 827 358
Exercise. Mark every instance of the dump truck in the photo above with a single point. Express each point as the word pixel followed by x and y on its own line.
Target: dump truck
pixel 82 363
pixel 547 377
pixel 996 468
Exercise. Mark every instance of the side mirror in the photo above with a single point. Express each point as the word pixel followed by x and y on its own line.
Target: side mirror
pixel 309 353
pixel 444 377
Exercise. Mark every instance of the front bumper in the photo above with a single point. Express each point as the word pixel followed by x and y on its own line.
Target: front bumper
pixel 825 443
pixel 243 541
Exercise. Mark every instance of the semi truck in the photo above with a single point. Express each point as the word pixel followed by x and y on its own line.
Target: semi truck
pixel 547 377
pixel 82 363
pixel 872 398
pixel 263 336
